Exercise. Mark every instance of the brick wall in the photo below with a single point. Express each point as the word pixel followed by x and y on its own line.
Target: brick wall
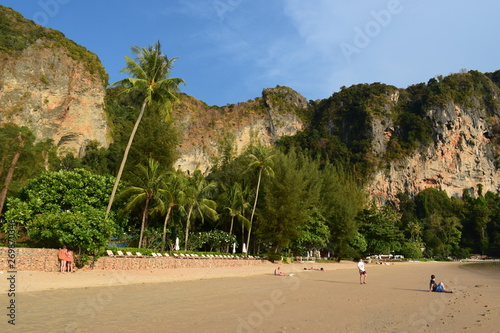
pixel 45 260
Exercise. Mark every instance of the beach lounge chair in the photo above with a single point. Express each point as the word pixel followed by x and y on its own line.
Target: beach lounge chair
pixel 154 254
pixel 159 255
pixel 138 254
pixel 120 254
pixel 110 253
pixel 176 255
pixel 167 255
pixel 129 254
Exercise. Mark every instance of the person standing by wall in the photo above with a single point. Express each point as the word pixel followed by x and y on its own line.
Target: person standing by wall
pixel 63 257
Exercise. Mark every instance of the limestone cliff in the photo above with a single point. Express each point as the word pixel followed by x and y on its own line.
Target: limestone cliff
pixel 48 84
pixel 463 154
pixel 264 119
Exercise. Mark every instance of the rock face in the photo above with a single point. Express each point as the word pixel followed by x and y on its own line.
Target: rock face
pixel 262 120
pixel 461 157
pixel 55 96
pixel 50 84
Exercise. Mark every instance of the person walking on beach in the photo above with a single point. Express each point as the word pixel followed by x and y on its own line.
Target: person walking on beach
pixel 362 271
pixel 63 257
pixel 439 288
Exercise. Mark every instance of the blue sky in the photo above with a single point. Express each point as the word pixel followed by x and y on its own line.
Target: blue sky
pixel 229 50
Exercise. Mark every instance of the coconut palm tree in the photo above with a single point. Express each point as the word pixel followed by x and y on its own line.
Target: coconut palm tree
pixel 15 139
pixel 150 79
pixel 170 194
pixel 262 160
pixel 146 185
pixel 197 202
pixel 235 203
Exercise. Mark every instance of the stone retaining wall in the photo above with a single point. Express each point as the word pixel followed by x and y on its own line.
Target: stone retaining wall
pixel 45 260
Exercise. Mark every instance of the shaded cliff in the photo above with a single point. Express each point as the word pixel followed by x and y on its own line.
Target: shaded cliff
pixel 50 84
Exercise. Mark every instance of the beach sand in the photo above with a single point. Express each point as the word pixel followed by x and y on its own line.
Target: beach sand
pixel 252 299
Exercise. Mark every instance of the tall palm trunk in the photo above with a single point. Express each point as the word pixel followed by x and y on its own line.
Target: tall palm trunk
pixel 230 230
pixel 163 237
pixel 124 160
pixel 186 237
pixel 144 219
pixel 253 211
pixel 10 173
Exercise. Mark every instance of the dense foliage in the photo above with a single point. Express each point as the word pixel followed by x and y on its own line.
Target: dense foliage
pixel 65 208
pixel 305 194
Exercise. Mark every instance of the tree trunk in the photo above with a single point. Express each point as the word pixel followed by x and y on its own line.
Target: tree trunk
pixel 253 211
pixel 230 231
pixel 144 219
pixel 10 173
pixel 186 237
pixel 124 160
pixel 165 228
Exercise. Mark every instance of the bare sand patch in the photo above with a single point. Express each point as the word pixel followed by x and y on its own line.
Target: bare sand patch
pixel 251 299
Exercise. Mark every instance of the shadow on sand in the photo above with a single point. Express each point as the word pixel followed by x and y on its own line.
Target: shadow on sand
pixel 419 290
pixel 331 281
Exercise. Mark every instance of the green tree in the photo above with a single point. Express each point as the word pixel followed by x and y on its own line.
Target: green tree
pixel 261 159
pixel 197 201
pixel 86 230
pixel 477 218
pixel 342 198
pixel 65 208
pixel 59 192
pixel 440 217
pixel 234 202
pixel 19 138
pixel 96 158
pixel 379 227
pixel 144 188
pixel 150 73
pixel 288 199
pixel 314 234
pixel 170 195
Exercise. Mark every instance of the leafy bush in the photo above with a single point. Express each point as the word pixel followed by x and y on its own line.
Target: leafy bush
pixel 87 232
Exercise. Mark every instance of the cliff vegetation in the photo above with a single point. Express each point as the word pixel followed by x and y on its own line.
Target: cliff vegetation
pixel 18 33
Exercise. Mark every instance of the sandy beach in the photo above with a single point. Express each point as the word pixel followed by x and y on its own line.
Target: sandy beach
pixel 251 299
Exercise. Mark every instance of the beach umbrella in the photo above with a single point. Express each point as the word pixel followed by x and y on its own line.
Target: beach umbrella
pixel 234 247
pixel 244 248
pixel 177 247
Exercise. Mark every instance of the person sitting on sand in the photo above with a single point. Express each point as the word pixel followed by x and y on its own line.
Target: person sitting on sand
pixel 278 272
pixel 63 257
pixel 439 288
pixel 362 271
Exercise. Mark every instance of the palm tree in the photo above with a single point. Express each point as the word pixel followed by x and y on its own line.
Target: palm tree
pixel 147 184
pixel 150 73
pixel 197 201
pixel 262 160
pixel 20 137
pixel 170 195
pixel 236 204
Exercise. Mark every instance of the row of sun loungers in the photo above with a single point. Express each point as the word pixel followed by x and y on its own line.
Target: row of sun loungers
pixel 120 254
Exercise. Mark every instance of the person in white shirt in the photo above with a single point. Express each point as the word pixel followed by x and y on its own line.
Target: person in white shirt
pixel 362 271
